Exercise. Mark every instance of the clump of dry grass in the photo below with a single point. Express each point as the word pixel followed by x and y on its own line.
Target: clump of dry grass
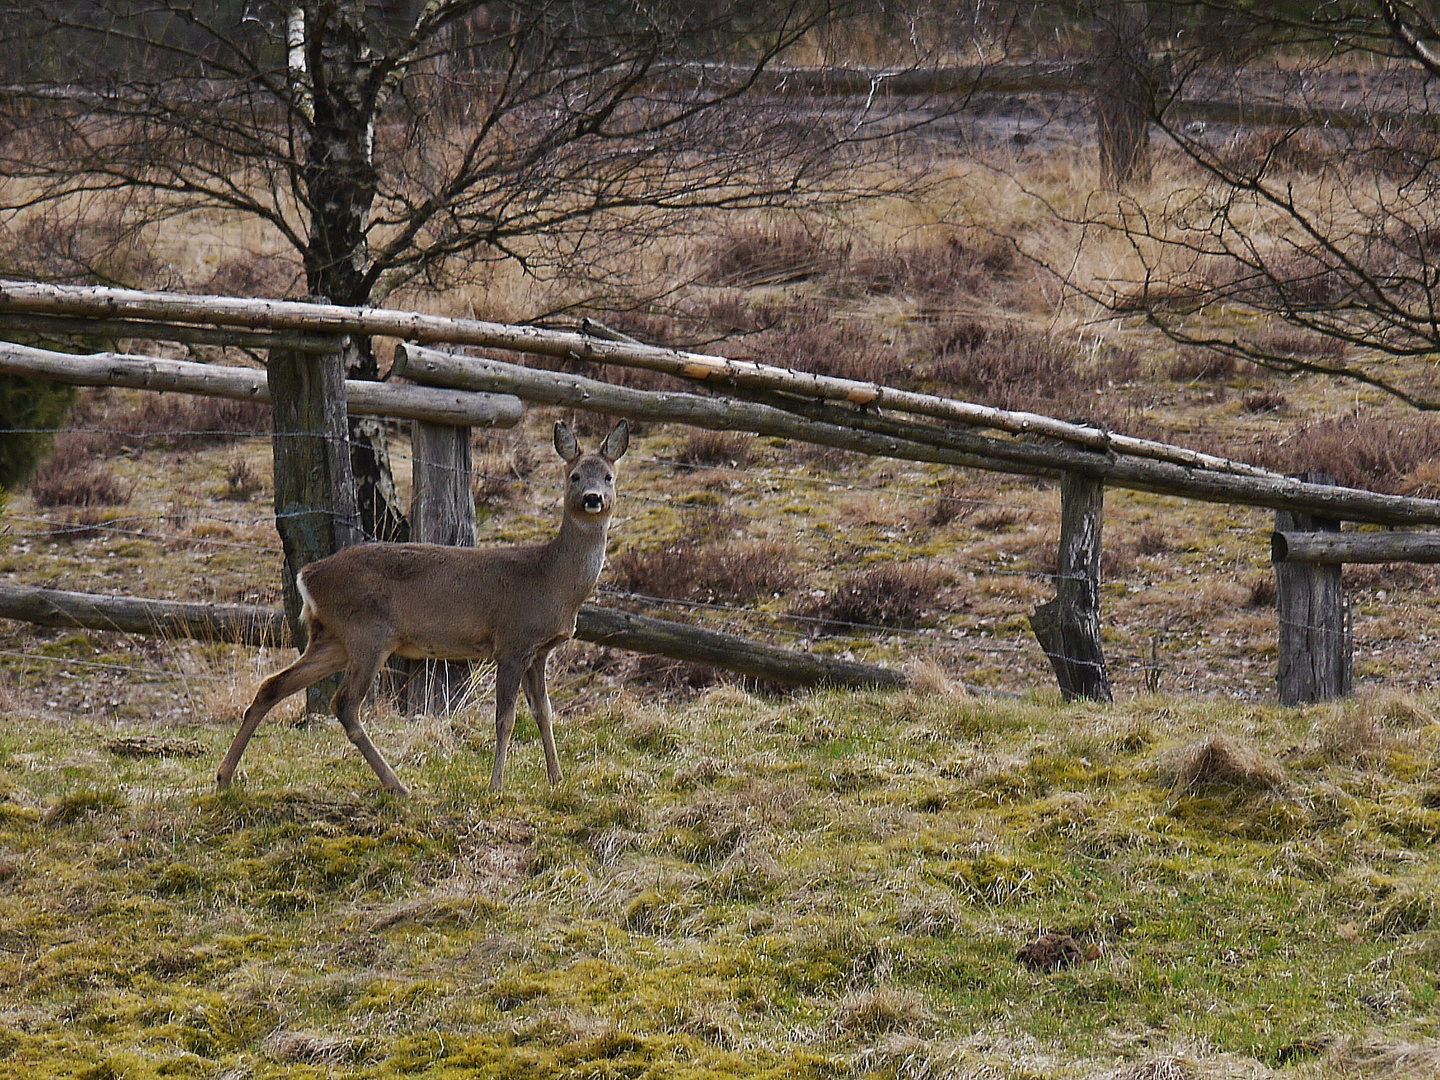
pixel 948 504
pixel 1221 762
pixel 241 481
pixel 1265 401
pixel 1202 365
pixel 882 1009
pixel 714 448
pixel 773 255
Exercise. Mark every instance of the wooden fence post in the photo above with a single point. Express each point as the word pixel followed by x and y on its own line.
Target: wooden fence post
pixel 1315 642
pixel 314 489
pixel 442 511
pixel 1068 627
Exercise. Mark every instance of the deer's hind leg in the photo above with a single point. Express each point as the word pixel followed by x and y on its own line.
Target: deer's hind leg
pixel 324 656
pixel 365 661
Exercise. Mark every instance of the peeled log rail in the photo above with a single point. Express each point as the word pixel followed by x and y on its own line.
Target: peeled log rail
pixel 1025 458
pixel 1364 547
pixel 132 304
pixel 242 624
pixel 427 403
pixel 60 325
pixel 247 625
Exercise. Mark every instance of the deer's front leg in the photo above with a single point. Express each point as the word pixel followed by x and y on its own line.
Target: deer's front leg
pixel 507 688
pixel 539 699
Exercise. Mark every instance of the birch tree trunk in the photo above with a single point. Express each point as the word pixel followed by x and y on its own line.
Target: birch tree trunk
pixel 334 86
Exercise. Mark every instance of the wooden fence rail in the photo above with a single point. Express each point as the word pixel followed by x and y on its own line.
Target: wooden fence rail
pixel 248 625
pixel 766 400
pixel 365 398
pixel 1354 547
pixel 944 445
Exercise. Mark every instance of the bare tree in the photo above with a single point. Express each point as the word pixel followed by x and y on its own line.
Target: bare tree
pixel 405 144
pixel 1300 227
pixel 1124 90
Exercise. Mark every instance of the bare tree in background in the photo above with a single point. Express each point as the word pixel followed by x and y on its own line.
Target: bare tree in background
pixel 405 144
pixel 1125 89
pixel 1302 229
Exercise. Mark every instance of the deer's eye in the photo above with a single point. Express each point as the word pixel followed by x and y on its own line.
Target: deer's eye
pixel 609 479
pixel 574 477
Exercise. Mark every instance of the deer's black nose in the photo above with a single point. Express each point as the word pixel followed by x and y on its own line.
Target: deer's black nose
pixel 592 502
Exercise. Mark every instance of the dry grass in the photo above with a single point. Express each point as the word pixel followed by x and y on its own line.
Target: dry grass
pixel 1361 449
pixel 1222 761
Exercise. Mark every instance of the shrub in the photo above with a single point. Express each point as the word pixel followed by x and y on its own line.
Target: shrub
pixel 1358 449
pixel 686 570
pixel 70 477
pixel 116 424
pixel 809 337
pixel 1011 368
pixel 29 408
pixel 896 595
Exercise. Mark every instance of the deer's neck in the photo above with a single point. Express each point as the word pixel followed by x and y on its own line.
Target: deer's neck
pixel 580 546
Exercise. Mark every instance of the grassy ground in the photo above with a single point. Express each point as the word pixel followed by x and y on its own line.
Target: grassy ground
pixel 823 885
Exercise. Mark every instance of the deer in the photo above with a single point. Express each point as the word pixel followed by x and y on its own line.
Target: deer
pixel 512 604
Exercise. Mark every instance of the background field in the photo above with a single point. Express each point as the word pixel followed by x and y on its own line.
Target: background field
pixel 736 880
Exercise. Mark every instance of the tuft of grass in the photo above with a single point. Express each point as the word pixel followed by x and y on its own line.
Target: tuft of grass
pixel 1221 761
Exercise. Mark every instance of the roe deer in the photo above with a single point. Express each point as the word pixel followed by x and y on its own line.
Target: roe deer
pixel 426 601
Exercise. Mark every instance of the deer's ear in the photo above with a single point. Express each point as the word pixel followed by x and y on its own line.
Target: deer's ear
pixel 565 444
pixel 617 442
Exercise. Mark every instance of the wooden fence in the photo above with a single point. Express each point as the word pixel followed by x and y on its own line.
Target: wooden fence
pixel 870 418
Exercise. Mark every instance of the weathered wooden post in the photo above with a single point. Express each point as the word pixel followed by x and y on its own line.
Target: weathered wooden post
pixel 1315 641
pixel 442 511
pixel 315 511
pixel 1068 627
pixel 314 490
